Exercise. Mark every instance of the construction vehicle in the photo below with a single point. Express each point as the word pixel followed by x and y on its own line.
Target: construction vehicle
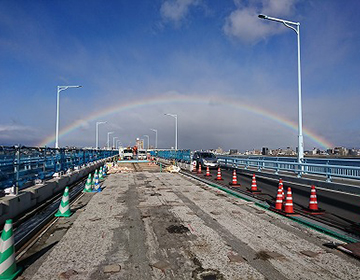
pixel 142 154
pixel 126 153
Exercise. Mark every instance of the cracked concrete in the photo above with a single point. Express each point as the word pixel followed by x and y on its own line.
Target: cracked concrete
pixel 138 226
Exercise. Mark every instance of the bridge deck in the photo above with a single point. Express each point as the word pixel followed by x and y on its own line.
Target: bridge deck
pixel 167 226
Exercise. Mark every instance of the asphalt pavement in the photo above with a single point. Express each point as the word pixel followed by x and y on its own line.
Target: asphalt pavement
pixel 342 209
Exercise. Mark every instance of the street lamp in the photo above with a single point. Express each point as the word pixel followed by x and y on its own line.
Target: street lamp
pixel 108 139
pixel 176 128
pixel 97 134
pixel 114 141
pixel 59 89
pixel 117 143
pixel 148 140
pixel 291 24
pixel 155 130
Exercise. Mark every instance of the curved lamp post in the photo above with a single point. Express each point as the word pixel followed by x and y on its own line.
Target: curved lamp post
pixel 97 134
pixel 114 138
pixel 108 139
pixel 117 143
pixel 59 89
pixel 295 26
pixel 176 128
pixel 155 130
pixel 148 140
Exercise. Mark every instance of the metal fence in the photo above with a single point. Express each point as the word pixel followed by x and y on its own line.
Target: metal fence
pixel 177 155
pixel 328 167
pixel 19 165
pixel 341 168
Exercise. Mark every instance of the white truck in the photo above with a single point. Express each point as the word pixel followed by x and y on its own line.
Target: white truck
pixel 126 153
pixel 142 154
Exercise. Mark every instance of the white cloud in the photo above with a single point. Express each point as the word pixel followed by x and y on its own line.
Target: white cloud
pixel 85 125
pixel 177 10
pixel 10 134
pixel 278 7
pixel 8 128
pixel 244 24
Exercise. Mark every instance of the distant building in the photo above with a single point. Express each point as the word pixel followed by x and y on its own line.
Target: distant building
pixel 353 152
pixel 265 151
pixel 219 151
pixel 341 151
pixel 253 152
pixel 233 151
pixel 316 151
pixel 289 151
pixel 275 152
pixel 257 152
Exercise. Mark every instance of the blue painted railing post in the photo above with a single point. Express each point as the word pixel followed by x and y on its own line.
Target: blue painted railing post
pixel 17 169
pixel 328 172
pixel 42 177
pixel 300 169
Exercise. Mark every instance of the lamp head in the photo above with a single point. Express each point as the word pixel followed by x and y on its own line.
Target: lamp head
pixel 171 115
pixel 262 16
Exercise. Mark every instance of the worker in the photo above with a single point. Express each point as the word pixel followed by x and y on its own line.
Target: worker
pixel 135 150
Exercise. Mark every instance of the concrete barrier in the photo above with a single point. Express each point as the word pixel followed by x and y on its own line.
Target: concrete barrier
pixel 27 199
pixel 13 205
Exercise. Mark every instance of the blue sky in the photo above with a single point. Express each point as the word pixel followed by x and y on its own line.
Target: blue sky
pixel 123 51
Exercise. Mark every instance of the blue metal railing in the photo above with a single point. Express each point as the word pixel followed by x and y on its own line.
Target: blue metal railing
pixel 341 168
pixel 177 155
pixel 19 165
pixel 328 167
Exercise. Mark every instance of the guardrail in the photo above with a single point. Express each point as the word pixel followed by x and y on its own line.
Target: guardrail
pixel 19 165
pixel 279 164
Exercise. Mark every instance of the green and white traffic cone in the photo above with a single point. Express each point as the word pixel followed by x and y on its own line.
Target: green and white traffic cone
pixel 93 180
pixel 104 171
pixel 101 174
pixel 8 268
pixel 96 185
pixel 64 208
pixel 88 184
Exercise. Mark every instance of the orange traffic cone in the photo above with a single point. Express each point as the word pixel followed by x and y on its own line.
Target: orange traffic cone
pixel 279 199
pixel 218 178
pixel 199 170
pixel 234 182
pixel 289 208
pixel 281 186
pixel 313 205
pixel 194 167
pixel 254 188
pixel 207 172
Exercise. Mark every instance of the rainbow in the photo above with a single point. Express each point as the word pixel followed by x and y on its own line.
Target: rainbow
pixel 167 99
